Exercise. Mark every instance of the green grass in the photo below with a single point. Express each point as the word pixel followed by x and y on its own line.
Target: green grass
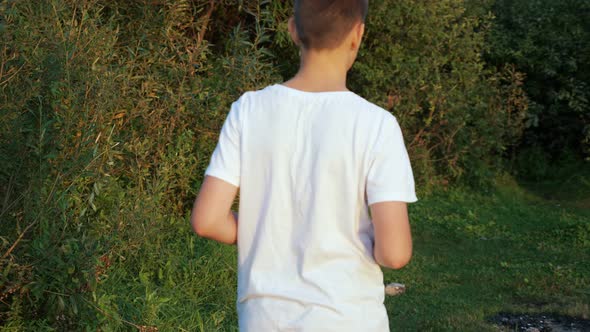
pixel 568 184
pixel 480 253
pixel 475 254
pixel 185 283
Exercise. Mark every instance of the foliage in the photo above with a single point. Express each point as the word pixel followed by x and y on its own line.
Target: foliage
pixel 104 136
pixel 548 41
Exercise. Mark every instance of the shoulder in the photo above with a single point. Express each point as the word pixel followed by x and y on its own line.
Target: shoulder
pixel 384 130
pixel 244 99
pixel 248 98
pixel 240 106
pixel 377 114
pixel 253 94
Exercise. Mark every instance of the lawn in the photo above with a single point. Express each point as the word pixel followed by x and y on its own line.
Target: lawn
pixel 475 254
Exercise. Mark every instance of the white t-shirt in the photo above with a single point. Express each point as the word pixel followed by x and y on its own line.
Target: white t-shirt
pixel 308 164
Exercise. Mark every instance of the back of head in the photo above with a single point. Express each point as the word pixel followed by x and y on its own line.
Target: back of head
pixel 323 24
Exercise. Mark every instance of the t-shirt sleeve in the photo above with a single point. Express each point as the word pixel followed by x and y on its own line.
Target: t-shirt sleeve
pixel 225 161
pixel 390 176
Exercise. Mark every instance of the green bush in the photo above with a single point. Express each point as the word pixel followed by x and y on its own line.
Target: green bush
pixel 548 41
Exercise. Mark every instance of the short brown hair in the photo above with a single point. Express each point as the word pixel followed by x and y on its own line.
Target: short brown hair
pixel 323 24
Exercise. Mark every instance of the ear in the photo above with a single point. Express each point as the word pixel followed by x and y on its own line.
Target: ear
pixel 357 35
pixel 293 31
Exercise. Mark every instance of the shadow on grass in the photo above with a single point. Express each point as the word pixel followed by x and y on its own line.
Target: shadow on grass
pixel 565 181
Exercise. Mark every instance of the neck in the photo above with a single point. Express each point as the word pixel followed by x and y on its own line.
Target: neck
pixel 320 71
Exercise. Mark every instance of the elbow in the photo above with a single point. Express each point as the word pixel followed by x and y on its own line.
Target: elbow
pixel 396 262
pixel 199 221
pixel 200 231
pixel 198 226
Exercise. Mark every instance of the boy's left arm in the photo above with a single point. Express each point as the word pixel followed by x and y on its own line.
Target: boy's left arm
pixel 212 216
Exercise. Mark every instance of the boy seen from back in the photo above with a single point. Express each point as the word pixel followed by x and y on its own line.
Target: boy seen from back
pixel 311 159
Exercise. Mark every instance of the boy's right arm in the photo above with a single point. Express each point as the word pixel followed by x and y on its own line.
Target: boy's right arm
pixel 389 187
pixel 393 238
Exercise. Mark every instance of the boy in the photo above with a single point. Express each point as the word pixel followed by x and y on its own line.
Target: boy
pixel 311 158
